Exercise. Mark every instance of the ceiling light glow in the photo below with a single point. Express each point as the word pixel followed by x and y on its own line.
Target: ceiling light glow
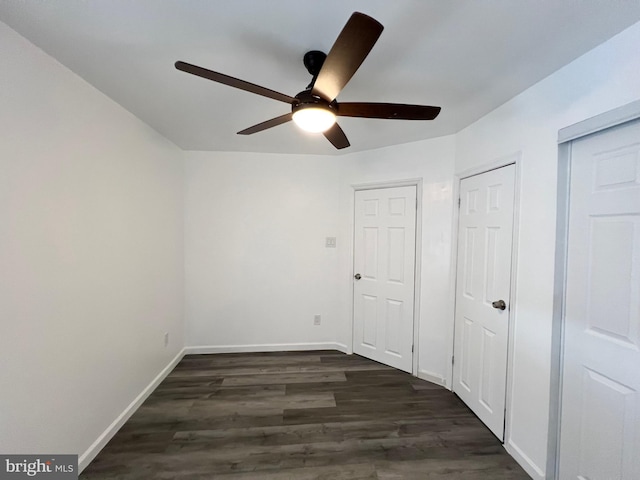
pixel 314 120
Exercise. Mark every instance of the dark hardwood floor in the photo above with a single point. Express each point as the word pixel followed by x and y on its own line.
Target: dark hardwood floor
pixel 300 416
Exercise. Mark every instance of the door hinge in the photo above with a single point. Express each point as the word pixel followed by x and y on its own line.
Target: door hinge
pixel 452 359
pixel 411 348
pixel 459 202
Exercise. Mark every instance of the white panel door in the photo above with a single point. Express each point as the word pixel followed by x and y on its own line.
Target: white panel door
pixel 600 420
pixel 483 281
pixel 384 266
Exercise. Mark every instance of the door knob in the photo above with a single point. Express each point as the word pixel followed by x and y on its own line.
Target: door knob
pixel 357 276
pixel 499 304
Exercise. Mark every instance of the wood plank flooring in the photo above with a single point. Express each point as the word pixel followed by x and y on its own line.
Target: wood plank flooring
pixel 300 416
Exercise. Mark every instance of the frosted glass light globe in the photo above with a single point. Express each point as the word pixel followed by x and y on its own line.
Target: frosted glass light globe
pixel 314 120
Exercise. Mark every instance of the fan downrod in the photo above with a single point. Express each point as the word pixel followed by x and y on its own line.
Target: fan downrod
pixel 313 61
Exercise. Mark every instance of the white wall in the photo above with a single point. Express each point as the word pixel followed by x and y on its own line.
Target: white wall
pixel 603 79
pixel 257 270
pixel 91 255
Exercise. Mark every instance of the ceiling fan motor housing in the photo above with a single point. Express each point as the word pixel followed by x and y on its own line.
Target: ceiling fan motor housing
pixel 313 61
pixel 306 99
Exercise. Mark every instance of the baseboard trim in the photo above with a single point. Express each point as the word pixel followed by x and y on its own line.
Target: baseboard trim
pixel 433 378
pixel 266 347
pixel 91 453
pixel 524 461
pixel 343 348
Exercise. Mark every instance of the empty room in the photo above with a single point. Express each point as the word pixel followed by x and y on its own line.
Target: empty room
pixel 310 240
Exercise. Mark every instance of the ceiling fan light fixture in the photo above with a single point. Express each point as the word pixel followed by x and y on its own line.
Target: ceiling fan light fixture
pixel 315 108
pixel 314 119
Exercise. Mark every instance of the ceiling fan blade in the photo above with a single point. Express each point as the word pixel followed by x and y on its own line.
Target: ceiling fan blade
pixel 274 122
pixel 397 111
pixel 352 46
pixel 233 82
pixel 337 137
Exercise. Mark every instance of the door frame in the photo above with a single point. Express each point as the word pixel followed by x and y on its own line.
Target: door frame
pixel 512 159
pixel 414 182
pixel 612 118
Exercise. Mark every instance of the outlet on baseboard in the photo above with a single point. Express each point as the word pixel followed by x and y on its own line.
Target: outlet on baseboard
pixel 317 319
pixel 166 339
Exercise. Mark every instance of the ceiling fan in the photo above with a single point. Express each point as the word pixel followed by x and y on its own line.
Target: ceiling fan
pixel 315 109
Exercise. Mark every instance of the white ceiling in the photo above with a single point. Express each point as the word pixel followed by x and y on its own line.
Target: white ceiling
pixel 467 56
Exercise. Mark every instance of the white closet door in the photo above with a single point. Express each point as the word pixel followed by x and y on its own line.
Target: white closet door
pixel 600 419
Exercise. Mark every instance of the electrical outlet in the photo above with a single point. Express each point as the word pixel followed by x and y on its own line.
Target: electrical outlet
pixel 166 339
pixel 317 319
pixel 330 242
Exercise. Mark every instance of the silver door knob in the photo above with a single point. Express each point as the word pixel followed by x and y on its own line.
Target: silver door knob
pixel 499 304
pixel 357 276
